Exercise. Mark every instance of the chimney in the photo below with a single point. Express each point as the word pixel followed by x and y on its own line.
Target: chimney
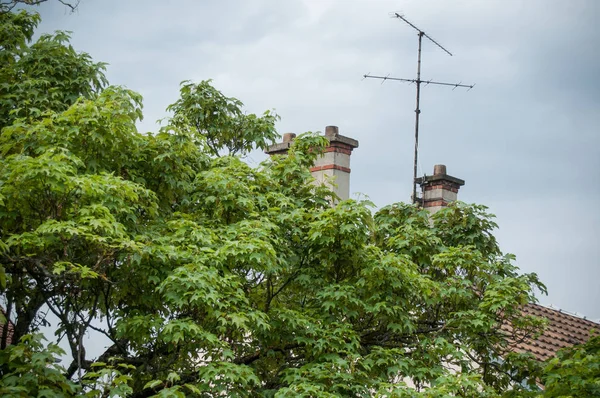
pixel 439 189
pixel 335 161
pixel 282 147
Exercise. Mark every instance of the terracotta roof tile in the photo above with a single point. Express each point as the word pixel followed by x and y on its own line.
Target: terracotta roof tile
pixel 563 330
pixel 11 329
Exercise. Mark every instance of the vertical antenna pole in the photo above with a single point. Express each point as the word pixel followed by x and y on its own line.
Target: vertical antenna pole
pixel 418 82
pixel 417 112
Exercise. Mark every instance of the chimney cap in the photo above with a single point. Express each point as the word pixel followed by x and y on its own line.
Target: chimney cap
pixel 332 131
pixel 289 137
pixel 439 174
pixel 281 148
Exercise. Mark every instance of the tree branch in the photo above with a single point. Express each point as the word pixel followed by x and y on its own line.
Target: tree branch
pixel 9 5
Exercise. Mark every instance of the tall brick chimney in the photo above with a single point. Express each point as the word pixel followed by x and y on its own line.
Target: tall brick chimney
pixel 335 161
pixel 439 189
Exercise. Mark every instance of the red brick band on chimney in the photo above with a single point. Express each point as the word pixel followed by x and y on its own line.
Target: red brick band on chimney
pixel 442 185
pixel 330 167
pixel 338 150
pixel 340 147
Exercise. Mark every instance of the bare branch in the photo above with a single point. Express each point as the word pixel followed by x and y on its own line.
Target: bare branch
pixel 9 5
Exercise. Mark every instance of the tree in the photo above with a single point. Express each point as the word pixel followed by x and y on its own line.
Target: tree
pixel 205 112
pixel 575 372
pixel 213 278
pixel 8 5
pixel 46 76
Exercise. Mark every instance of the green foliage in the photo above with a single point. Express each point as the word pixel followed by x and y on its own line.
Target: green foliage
pixel 219 120
pixel 575 372
pixel 213 278
pixel 29 370
pixel 48 75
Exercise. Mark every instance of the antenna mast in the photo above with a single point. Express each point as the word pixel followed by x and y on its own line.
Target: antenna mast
pixel 418 82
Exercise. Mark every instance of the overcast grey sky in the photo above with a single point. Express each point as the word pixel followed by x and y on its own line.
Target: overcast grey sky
pixel 526 139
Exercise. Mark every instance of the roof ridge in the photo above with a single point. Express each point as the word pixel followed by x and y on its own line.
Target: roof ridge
pixel 568 313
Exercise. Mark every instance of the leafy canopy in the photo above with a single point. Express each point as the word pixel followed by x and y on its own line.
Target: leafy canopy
pixel 205 112
pixel 213 278
pixel 575 372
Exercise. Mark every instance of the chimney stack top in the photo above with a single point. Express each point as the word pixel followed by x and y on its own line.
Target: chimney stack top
pixel 439 189
pixel 332 131
pixel 289 137
pixel 439 169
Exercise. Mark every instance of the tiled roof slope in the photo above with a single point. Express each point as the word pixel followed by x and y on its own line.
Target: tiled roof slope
pixel 563 330
pixel 11 329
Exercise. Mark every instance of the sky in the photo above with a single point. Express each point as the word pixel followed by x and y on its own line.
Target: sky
pixel 525 139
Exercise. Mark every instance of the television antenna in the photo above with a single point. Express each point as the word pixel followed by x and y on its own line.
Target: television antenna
pixel 418 83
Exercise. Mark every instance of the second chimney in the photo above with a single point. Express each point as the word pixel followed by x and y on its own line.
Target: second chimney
pixel 439 189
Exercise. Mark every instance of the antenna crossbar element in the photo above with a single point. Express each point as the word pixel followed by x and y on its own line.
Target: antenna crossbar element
pixel 418 83
pixel 421 32
pixel 469 86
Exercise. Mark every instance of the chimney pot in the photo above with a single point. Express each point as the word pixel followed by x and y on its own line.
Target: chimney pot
pixel 289 137
pixel 332 131
pixel 439 169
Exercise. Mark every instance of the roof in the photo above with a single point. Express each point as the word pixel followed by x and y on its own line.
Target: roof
pixel 563 330
pixel 11 328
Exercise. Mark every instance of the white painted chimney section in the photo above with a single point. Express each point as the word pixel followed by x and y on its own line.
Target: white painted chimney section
pixel 333 166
